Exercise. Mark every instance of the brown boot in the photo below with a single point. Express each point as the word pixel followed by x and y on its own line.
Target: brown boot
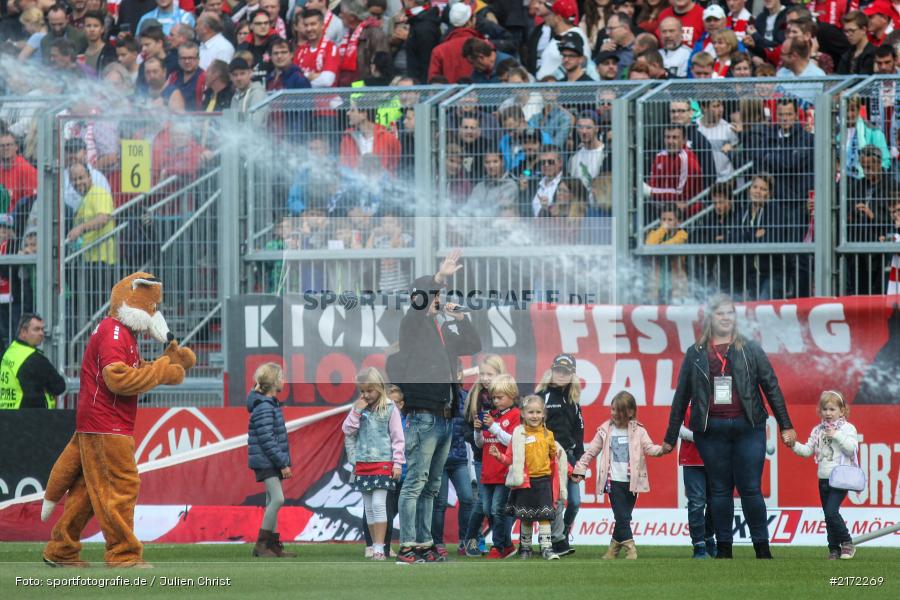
pixel 630 550
pixel 277 547
pixel 262 550
pixel 613 551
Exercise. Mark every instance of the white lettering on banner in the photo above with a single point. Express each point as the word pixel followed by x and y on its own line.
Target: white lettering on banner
pixel 297 325
pixel 611 336
pixel 828 328
pixel 327 326
pixel 652 338
pixel 804 526
pixel 255 334
pixel 779 330
pixel 161 441
pixel 593 381
pixel 628 377
pixel 371 335
pixel 570 320
pixel 28 482
pixel 664 392
pixel 684 318
pixel 876 460
pixel 503 334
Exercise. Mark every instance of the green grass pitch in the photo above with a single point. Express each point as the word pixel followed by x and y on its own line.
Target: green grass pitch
pixel 339 571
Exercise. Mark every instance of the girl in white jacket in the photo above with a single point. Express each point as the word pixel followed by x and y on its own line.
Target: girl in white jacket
pixel 828 441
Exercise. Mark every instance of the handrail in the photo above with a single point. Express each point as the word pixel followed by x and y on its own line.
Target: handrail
pixel 117 229
pixel 140 197
pixel 184 226
pixel 690 221
pixel 201 324
pixel 157 205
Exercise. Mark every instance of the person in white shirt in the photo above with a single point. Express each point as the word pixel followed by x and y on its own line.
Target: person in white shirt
pixel 213 45
pixel 676 56
pixel 721 137
pixel 591 157
pixel 551 175
pixel 76 153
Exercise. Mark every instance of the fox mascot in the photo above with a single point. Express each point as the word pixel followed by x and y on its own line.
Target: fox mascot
pixel 96 470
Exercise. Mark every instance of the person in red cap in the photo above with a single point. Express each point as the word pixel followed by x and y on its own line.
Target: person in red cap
pixel 562 19
pixel 881 20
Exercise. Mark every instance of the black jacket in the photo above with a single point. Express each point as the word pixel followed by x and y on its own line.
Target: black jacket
pixel 485 404
pixel 564 419
pixel 424 35
pixel 752 373
pixel 37 377
pixel 426 370
pixel 864 64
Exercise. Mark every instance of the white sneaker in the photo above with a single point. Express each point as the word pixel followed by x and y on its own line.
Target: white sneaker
pixel 549 554
pixel 370 552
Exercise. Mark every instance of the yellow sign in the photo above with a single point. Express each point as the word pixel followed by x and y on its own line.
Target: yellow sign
pixel 135 166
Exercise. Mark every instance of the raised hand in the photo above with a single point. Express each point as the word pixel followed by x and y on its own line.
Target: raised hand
pixel 449 266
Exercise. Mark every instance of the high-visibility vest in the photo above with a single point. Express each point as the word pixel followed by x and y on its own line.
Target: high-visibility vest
pixel 11 393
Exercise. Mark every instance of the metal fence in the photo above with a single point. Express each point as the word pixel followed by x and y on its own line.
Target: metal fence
pixel 106 228
pixel 554 188
pixel 868 146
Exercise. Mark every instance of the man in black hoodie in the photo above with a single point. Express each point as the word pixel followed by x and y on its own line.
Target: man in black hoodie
pixel 424 23
pixel 432 337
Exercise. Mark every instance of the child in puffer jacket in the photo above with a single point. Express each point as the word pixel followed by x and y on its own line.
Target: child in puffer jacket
pixel 268 454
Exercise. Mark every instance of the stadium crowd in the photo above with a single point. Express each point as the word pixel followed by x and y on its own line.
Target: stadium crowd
pixel 736 167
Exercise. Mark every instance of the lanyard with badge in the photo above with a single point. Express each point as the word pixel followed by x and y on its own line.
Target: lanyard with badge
pixel 722 383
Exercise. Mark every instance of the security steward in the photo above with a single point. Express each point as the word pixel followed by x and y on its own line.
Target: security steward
pixel 27 379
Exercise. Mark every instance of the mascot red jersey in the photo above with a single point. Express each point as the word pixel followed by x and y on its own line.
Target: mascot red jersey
pixel 96 471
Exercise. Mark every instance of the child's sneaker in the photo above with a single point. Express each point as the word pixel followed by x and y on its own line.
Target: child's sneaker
pixel 408 556
pixel 507 552
pixel 700 551
pixel 847 550
pixel 370 552
pixel 472 548
pixel 461 549
pixel 834 554
pixel 549 554
pixel 562 548
pixel 525 553
pixel 431 555
pixel 378 556
pixel 494 554
pixel 441 549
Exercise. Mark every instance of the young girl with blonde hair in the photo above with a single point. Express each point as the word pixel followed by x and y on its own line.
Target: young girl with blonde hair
pixel 375 446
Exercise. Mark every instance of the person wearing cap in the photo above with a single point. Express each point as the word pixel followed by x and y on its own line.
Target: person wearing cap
pixel 608 66
pixel 432 337
pixel 27 378
pixel 713 23
pixel 560 389
pixel 247 93
pixel 447 57
pixel 881 15
pixel 620 40
pixel 571 48
pixel 562 18
pixel 167 14
pixel 689 15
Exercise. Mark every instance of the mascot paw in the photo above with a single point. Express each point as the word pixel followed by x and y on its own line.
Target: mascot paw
pixel 179 355
pixel 47 509
pixel 173 375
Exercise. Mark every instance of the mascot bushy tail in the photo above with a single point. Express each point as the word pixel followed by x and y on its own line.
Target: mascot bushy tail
pixel 96 472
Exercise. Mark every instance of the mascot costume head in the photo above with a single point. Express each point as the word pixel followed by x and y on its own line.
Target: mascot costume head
pixel 96 472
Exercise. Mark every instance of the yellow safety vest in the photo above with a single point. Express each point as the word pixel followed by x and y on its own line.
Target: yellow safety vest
pixel 11 393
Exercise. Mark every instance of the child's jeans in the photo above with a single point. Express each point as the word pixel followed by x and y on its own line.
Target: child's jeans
pixel 462 483
pixel 834 522
pixel 476 518
pixel 493 502
pixel 696 488
pixel 622 502
pixel 566 512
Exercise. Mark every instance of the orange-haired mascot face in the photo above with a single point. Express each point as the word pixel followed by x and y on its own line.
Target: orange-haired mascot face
pixel 135 303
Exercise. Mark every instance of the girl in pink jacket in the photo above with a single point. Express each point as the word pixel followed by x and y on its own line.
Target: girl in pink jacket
pixel 622 442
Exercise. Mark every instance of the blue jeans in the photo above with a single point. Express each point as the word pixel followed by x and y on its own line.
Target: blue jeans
pixel 476 517
pixel 696 489
pixel 493 503
pixel 733 453
pixel 834 523
pixel 565 517
pixel 462 483
pixel 427 445
pixel 622 502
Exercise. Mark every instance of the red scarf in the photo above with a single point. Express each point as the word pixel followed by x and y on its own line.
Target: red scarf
pixel 350 45
pixel 304 50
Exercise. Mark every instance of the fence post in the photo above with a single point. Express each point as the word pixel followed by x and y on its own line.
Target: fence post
pixel 231 245
pixel 622 185
pixel 426 191
pixel 824 190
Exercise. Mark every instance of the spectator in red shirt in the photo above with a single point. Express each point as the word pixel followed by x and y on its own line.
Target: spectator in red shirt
pixel 317 57
pixel 675 176
pixel 16 174
pixel 881 23
pixel 367 137
pixel 447 59
pixel 691 17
